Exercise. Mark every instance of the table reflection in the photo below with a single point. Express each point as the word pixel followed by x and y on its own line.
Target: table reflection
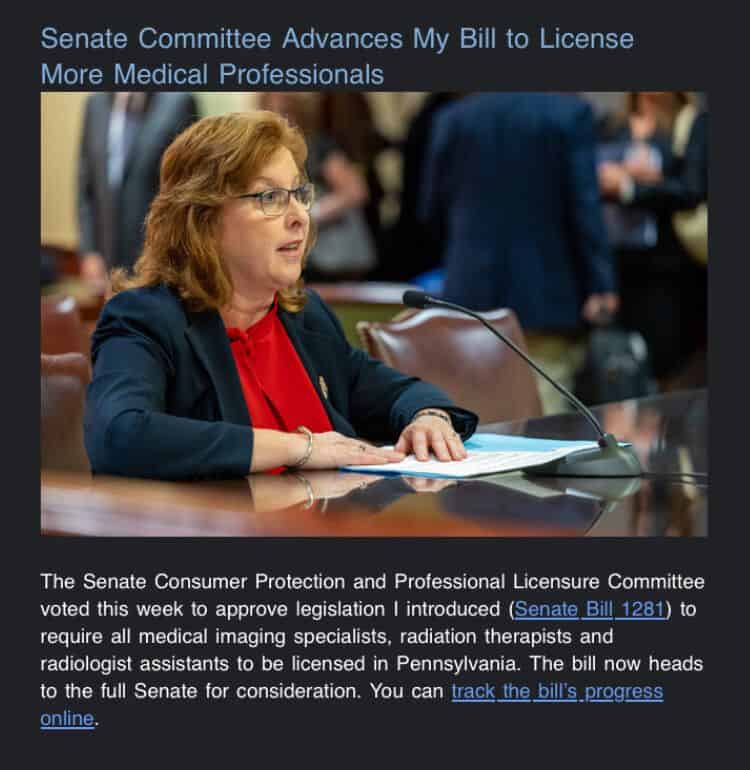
pixel 668 433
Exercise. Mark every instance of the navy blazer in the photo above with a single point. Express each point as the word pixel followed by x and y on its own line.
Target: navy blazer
pixel 166 401
pixel 510 185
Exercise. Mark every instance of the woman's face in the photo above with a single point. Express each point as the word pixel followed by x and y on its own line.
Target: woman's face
pixel 262 253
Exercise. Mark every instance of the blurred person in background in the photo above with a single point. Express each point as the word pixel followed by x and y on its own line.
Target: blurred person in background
pixel 123 137
pixel 347 118
pixel 665 287
pixel 510 183
pixel 415 249
pixel 345 248
pixel 632 136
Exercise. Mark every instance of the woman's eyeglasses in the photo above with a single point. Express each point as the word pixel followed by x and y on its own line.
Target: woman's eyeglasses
pixel 276 200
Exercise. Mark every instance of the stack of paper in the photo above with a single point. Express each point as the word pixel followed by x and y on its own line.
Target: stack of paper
pixel 488 453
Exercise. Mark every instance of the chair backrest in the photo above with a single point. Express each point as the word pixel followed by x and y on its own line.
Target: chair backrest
pixel 63 388
pixel 457 354
pixel 66 261
pixel 61 325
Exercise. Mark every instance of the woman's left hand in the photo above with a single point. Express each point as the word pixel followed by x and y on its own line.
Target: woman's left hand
pixel 428 433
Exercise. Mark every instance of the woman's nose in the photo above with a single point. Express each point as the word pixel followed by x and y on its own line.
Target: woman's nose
pixel 296 213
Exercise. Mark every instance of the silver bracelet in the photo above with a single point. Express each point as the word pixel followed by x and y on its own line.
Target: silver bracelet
pixel 306 456
pixel 433 413
pixel 308 490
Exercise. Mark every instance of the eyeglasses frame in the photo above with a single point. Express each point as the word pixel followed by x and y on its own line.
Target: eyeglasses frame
pixel 294 191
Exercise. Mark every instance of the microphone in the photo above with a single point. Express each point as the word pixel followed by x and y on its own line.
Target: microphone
pixel 608 459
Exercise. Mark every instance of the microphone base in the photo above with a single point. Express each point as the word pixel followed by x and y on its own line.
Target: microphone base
pixel 608 460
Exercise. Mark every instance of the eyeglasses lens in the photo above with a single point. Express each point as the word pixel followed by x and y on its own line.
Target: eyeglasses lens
pixel 275 202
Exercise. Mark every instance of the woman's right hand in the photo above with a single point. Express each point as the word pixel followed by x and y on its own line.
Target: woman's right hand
pixel 332 450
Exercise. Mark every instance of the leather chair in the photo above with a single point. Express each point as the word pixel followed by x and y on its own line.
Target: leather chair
pixel 66 261
pixel 63 387
pixel 62 329
pixel 478 371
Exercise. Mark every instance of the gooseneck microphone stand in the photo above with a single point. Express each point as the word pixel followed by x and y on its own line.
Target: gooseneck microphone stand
pixel 608 459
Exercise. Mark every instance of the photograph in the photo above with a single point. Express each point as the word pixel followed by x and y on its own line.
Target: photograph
pixel 371 314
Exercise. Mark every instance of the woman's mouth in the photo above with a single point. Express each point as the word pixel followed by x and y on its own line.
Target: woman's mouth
pixel 291 248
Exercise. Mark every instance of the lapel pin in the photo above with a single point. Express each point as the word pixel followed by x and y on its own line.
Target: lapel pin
pixel 323 386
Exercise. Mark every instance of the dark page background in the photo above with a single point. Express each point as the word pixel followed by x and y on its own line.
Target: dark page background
pixel 677 48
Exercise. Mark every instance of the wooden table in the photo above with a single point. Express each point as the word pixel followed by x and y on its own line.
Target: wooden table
pixel 668 431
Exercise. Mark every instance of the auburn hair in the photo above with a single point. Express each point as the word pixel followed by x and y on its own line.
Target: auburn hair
pixel 208 163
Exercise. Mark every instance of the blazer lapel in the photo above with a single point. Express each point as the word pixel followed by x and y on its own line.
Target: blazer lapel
pixel 311 347
pixel 209 340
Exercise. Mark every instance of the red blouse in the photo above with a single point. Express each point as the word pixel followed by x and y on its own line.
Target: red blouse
pixel 277 387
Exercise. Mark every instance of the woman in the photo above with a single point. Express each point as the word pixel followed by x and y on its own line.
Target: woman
pixel 665 290
pixel 212 360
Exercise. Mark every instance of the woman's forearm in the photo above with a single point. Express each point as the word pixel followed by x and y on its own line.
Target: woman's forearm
pixel 272 449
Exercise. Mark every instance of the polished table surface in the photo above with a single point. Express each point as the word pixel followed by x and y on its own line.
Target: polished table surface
pixel 669 433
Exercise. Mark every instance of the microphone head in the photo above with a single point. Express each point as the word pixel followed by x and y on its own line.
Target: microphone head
pixel 416 299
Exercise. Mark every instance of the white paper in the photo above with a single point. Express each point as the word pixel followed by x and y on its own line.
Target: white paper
pixel 476 464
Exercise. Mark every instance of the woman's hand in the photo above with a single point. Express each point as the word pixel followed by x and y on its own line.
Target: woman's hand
pixel 600 309
pixel 278 491
pixel 645 173
pixel 94 271
pixel 332 450
pixel 611 178
pixel 424 484
pixel 329 485
pixel 427 432
pixel 346 189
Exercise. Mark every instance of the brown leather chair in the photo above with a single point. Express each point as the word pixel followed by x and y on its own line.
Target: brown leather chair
pixel 63 387
pixel 456 353
pixel 62 329
pixel 67 261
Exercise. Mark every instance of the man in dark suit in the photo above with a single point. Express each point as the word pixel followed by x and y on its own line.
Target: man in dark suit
pixel 510 184
pixel 124 135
